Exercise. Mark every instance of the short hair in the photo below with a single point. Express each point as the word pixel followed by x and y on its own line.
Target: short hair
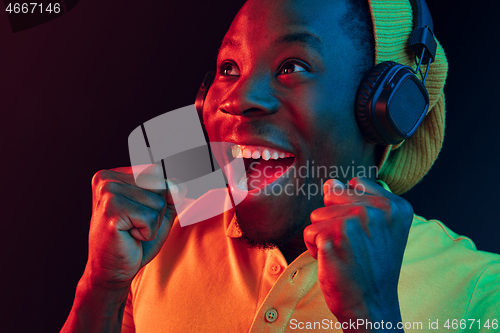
pixel 358 24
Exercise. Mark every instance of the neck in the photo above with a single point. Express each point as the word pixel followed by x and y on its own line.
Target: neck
pixel 293 248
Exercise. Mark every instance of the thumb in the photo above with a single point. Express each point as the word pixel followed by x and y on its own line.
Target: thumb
pixel 151 248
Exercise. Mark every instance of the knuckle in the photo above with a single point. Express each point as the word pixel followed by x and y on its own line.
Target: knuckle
pixel 155 216
pixel 326 245
pixel 152 217
pixel 162 203
pixel 354 181
pixel 309 231
pixel 332 185
pixel 98 177
pixel 358 183
pixel 108 187
pixel 110 201
pixel 316 214
pixel 333 196
pixel 102 182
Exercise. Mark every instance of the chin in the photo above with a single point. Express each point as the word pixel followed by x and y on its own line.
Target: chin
pixel 273 223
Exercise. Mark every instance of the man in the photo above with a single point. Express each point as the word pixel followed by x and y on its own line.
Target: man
pixel 287 77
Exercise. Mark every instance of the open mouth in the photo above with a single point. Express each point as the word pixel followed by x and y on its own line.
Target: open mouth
pixel 263 165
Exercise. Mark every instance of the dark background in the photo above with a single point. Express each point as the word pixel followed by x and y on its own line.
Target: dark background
pixel 72 89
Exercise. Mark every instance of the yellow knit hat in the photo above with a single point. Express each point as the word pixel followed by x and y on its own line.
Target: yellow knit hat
pixel 403 166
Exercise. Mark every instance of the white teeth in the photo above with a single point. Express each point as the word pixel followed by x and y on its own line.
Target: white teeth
pixel 236 151
pixel 247 153
pixel 266 155
pixel 256 152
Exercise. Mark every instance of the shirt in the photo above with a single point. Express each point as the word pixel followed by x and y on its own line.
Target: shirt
pixel 207 280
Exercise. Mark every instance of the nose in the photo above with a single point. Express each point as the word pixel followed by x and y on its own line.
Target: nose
pixel 250 97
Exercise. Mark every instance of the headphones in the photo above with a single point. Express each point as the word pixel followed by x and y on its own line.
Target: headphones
pixel 391 102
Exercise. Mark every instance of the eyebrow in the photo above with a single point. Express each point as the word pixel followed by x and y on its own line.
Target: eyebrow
pixel 229 42
pixel 305 38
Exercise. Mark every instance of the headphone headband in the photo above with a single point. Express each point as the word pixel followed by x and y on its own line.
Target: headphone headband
pixel 422 37
pixel 421 14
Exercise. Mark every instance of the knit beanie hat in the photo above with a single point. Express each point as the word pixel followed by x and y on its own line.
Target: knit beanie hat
pixel 402 166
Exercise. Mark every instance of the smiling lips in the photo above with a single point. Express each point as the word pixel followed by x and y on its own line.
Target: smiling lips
pixel 263 165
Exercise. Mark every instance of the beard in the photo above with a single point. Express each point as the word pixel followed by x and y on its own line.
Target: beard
pixel 290 224
pixel 256 239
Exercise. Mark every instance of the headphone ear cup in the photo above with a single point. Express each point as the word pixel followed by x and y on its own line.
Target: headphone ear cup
pixel 202 93
pixel 364 96
pixel 200 101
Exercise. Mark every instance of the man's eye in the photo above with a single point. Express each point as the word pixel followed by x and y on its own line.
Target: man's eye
pixel 291 67
pixel 229 69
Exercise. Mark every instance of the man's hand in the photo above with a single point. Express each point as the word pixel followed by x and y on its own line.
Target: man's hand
pixel 129 224
pixel 359 239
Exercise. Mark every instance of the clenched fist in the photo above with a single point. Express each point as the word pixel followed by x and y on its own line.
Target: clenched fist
pixel 359 239
pixel 129 223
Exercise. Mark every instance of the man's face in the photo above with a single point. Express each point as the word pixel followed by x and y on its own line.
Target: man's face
pixel 287 76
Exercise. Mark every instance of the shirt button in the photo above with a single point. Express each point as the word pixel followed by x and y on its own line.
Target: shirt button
pixel 271 315
pixel 275 269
